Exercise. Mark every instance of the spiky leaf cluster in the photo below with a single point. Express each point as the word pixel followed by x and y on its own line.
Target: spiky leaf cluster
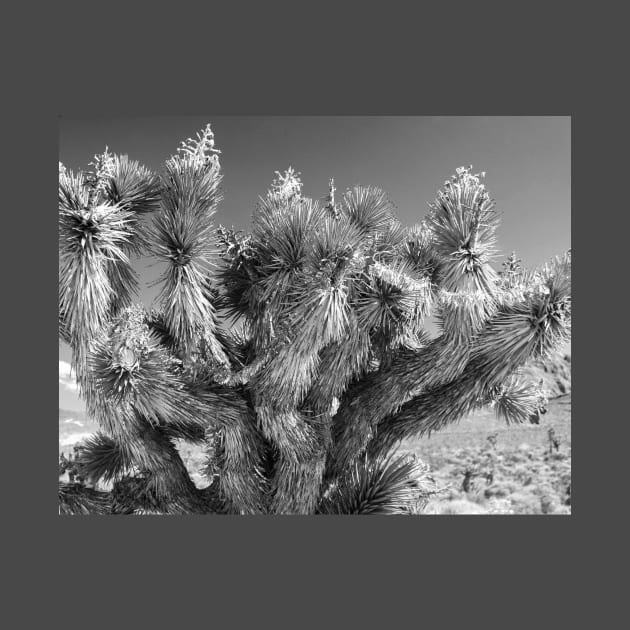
pixel 375 486
pixel 183 234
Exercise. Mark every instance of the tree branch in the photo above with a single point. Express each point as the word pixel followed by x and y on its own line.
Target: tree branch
pixel 448 380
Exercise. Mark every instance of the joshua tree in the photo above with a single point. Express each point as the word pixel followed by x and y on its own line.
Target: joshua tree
pixel 295 353
pixel 554 442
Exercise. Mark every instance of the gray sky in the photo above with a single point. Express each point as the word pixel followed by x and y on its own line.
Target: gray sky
pixel 527 161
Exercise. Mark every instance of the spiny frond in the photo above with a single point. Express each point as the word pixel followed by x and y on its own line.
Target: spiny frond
pixel 319 316
pixel 339 363
pixel 101 458
pixel 323 314
pixel 87 232
pixel 238 345
pixel 516 402
pixel 64 332
pixel 131 372
pixel 533 326
pixel 289 243
pixel 154 319
pixel 98 231
pixel 95 275
pixel 94 272
pixel 389 300
pixel 73 194
pixel 388 245
pixel 239 291
pixel 134 188
pixel 368 208
pixel 124 282
pixel 285 248
pixel 183 297
pixel 281 236
pixel 140 495
pixel 76 499
pixel 183 234
pixel 461 315
pixel 148 391
pixel 304 297
pixel 464 223
pixel 258 285
pixel 418 250
pixel 466 270
pixel 381 485
pixel 335 250
pixel 237 274
pixel 188 431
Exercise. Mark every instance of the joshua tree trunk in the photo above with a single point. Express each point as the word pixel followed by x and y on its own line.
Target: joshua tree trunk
pixel 296 353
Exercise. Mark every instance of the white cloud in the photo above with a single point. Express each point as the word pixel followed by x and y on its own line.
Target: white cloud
pixel 67 377
pixel 73 438
pixel 71 421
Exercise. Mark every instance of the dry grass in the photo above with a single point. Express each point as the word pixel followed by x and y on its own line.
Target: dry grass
pixel 527 477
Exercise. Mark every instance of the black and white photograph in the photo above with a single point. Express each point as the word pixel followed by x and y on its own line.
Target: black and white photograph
pixel 314 315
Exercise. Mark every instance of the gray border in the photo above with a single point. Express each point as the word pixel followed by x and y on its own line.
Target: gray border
pixel 266 566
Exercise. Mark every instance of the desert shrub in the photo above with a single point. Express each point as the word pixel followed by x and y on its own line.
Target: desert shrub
pixel 525 502
pixel 457 506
